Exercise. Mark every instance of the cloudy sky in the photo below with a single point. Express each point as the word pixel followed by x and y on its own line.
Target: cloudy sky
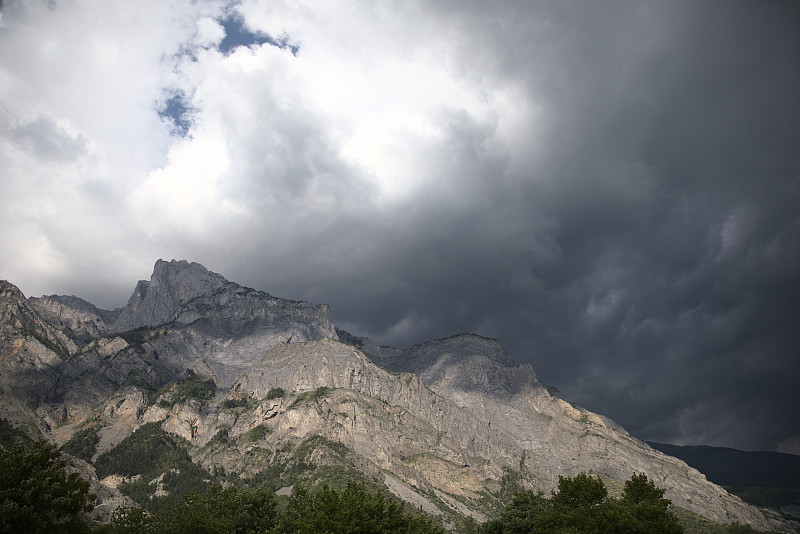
pixel 610 188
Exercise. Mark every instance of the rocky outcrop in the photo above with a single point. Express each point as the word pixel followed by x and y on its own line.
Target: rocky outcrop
pixel 555 436
pixel 444 422
pixel 80 320
pixel 172 285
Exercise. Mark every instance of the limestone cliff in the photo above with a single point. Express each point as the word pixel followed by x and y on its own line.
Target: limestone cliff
pixel 445 424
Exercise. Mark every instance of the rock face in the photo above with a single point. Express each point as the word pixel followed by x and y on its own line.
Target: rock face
pixel 444 424
pixel 172 285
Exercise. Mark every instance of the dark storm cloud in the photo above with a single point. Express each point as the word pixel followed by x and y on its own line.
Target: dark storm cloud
pixel 616 198
pixel 646 265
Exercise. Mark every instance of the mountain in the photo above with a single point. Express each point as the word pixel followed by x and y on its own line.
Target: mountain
pixel 251 388
pixel 770 479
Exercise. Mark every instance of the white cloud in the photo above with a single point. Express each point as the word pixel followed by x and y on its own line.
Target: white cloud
pixel 485 157
pixel 209 32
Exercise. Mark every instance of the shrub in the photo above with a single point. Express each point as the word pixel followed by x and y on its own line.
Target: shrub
pixel 311 396
pixel 275 393
pixel 234 403
pixel 256 434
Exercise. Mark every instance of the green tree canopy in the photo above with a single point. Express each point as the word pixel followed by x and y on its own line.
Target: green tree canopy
pixel 353 511
pixel 231 510
pixel 236 510
pixel 36 493
pixel 582 505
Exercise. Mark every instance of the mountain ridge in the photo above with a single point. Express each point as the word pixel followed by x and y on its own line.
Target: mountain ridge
pixel 447 419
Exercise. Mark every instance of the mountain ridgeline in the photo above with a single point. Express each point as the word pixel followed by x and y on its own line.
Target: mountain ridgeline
pixel 258 390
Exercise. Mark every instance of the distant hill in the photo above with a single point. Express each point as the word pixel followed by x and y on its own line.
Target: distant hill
pixel 732 467
pixel 770 479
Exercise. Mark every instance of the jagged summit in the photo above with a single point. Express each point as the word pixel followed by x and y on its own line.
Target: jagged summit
pixel 452 418
pixel 172 285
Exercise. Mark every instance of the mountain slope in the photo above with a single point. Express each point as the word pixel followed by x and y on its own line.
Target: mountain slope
pixel 246 379
pixel 769 479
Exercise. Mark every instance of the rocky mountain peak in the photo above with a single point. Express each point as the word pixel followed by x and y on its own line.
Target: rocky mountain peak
pixel 16 314
pixel 11 303
pixel 171 285
pixel 453 417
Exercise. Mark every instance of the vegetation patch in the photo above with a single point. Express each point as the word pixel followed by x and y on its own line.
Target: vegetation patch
pixel 190 387
pixel 150 453
pixel 37 494
pixel 83 443
pixel 220 438
pixel 275 393
pixel 232 404
pixel 582 505
pixel 242 510
pixel 256 434
pixel 311 396
pixel 292 464
pixel 10 435
pixel 695 524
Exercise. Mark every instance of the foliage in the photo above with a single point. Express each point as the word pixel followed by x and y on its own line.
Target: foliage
pixel 190 387
pixel 234 403
pixel 310 396
pixel 275 393
pixel 193 387
pixel 353 511
pixel 645 507
pixel 83 443
pixel 582 505
pixel 256 433
pixel 36 493
pixel 220 438
pixel 521 515
pixel 292 465
pixel 150 452
pixel 737 528
pixel 10 436
pixel 231 510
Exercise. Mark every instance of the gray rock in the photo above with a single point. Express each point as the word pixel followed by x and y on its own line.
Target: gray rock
pixel 172 285
pixel 448 418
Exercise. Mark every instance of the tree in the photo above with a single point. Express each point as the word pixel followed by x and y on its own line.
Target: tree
pixel 582 505
pixel 231 510
pixel 646 509
pixel 521 516
pixel 36 493
pixel 237 510
pixel 579 493
pixel 353 511
pixel 639 490
pixel 221 511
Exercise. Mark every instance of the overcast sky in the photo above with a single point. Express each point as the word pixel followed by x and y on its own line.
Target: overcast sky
pixel 610 188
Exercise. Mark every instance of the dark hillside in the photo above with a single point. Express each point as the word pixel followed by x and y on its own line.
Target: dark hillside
pixel 732 467
pixel 768 479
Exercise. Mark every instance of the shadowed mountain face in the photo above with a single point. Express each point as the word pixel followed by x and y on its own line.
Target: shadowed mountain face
pixel 247 379
pixel 770 479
